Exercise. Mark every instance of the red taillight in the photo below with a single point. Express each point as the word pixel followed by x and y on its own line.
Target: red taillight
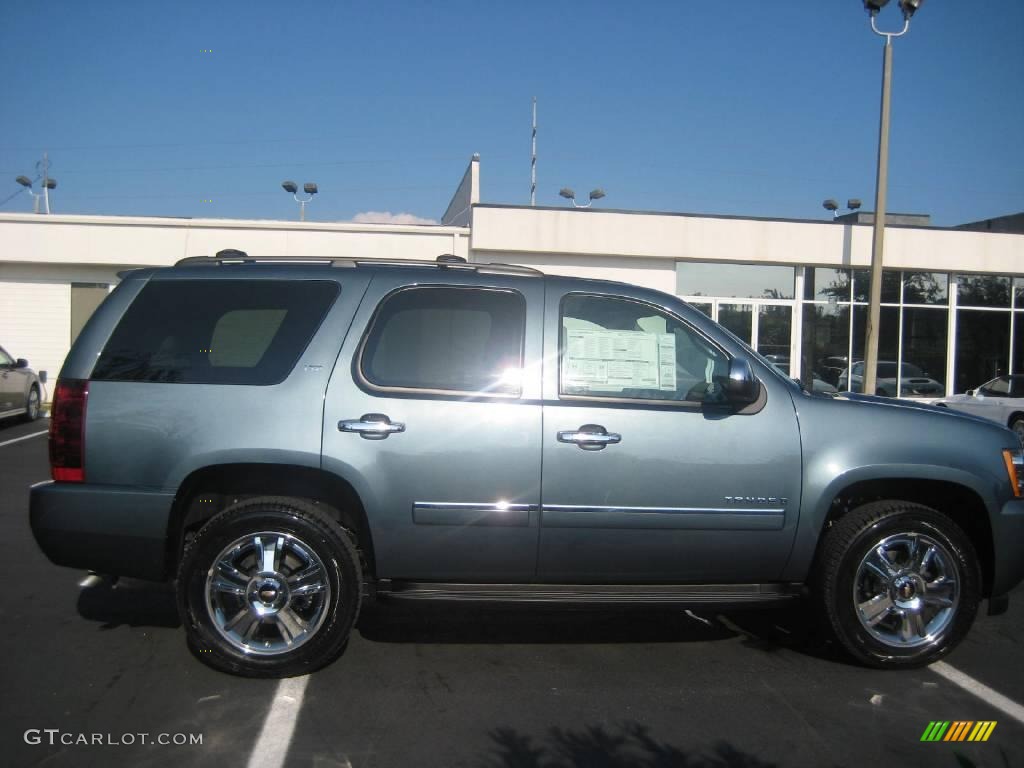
pixel 67 431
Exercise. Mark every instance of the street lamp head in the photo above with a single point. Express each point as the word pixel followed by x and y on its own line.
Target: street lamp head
pixel 830 205
pixel 309 188
pixel 596 194
pixel 51 183
pixel 290 186
pixel 853 203
pixel 874 6
pixel 909 7
pixel 25 181
pixel 567 193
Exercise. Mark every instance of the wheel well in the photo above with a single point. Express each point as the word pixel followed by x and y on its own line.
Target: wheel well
pixel 958 502
pixel 207 491
pixel 1013 417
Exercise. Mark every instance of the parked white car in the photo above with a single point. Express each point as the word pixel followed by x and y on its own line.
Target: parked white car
pixel 817 383
pixel 1001 399
pixel 914 383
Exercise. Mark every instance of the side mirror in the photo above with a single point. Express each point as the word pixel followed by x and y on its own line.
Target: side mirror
pixel 741 387
pixel 21 362
pixel 969 393
pixel 42 377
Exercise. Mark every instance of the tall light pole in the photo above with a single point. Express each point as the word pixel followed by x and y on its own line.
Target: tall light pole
pixel 309 188
pixel 881 182
pixel 48 183
pixel 568 194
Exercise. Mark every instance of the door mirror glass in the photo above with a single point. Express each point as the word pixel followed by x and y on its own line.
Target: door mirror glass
pixel 741 387
pixel 21 363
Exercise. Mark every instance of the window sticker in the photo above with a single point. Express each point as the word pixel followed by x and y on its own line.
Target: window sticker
pixel 616 360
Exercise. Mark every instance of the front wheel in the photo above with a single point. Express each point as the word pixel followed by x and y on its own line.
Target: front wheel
pixel 1017 425
pixel 269 587
pixel 32 404
pixel 898 584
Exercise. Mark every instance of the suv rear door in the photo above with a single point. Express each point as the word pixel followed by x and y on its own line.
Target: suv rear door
pixel 679 487
pixel 433 414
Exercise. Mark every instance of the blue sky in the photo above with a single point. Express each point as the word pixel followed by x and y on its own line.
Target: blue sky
pixel 747 107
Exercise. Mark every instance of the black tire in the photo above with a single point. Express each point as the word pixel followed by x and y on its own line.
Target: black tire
pixel 842 573
pixel 32 406
pixel 307 540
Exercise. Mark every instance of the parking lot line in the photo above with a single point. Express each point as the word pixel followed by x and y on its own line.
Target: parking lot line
pixel 982 691
pixel 271 748
pixel 24 437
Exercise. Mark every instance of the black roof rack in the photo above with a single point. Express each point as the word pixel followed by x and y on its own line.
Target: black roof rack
pixel 229 257
pixel 445 261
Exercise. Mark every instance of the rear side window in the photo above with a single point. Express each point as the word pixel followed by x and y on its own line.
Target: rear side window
pixel 459 340
pixel 215 331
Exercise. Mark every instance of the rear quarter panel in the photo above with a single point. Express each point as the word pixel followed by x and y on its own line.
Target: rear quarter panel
pixel 153 435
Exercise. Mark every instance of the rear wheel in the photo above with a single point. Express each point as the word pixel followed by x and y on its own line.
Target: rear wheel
pixel 898 583
pixel 270 587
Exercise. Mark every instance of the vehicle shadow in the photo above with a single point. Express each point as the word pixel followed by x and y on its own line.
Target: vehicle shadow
pixel 628 745
pixel 128 603
pixel 13 426
pixel 762 629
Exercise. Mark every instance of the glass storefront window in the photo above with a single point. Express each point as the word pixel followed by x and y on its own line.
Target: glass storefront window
pixel 861 284
pixel 738 318
pixel 925 288
pixel 890 285
pixel 983 291
pixel 701 306
pixel 924 351
pixel 825 343
pixel 826 284
pixel 774 332
pixel 736 281
pixel 982 347
pixel 888 341
pixel 1018 292
pixel 1018 342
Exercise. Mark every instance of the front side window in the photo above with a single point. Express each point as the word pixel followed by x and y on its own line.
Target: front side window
pixel 447 340
pixel 997 387
pixel 5 359
pixel 617 348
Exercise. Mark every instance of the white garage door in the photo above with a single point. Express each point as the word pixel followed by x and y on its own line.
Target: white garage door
pixel 35 323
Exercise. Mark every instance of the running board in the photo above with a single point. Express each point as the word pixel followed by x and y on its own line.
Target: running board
pixel 601 594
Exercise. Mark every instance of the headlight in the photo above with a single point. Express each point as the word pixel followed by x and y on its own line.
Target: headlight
pixel 1015 469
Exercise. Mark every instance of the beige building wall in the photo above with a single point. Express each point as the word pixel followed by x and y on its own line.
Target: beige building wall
pixel 41 256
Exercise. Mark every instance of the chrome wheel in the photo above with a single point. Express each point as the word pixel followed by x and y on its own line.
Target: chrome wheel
pixel 907 590
pixel 1018 428
pixel 33 404
pixel 267 593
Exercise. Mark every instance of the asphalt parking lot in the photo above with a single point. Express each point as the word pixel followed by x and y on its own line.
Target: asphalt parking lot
pixel 471 687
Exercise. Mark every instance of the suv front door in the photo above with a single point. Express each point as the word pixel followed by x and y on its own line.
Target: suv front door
pixel 433 412
pixel 647 475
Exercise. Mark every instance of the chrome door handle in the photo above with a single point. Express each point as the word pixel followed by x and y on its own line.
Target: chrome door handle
pixel 590 437
pixel 371 426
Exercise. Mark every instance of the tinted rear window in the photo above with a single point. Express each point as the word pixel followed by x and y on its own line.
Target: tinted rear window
pixel 448 339
pixel 215 331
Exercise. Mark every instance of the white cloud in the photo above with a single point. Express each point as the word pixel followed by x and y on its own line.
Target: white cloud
pixel 387 217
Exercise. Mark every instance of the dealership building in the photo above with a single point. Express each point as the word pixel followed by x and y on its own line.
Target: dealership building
pixel 952 298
